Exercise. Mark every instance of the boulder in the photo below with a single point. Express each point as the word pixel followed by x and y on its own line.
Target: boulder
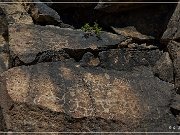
pixel 164 68
pixel 63 96
pixel 174 51
pixel 173 28
pixel 38 39
pixel 15 13
pixel 142 23
pixel 89 59
pixel 42 14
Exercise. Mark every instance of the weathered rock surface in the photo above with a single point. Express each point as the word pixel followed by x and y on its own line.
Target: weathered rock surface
pixel 37 39
pixel 69 80
pixel 16 13
pixel 173 28
pixel 3 23
pixel 89 59
pixel 174 51
pixel 4 55
pixel 132 32
pixel 42 14
pixel 134 99
pixel 2 122
pixel 164 68
pixel 127 59
pixel 150 21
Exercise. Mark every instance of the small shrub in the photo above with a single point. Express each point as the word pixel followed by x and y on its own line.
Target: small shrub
pixel 97 29
pixel 86 28
pixel 90 30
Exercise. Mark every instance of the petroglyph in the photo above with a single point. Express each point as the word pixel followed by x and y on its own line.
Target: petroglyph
pixel 81 92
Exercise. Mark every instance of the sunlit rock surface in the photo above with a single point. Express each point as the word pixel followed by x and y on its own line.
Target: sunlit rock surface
pixel 136 98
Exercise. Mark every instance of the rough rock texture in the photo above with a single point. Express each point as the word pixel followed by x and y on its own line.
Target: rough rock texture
pixel 42 14
pixel 174 51
pixel 63 79
pixel 150 21
pixel 132 32
pixel 16 14
pixel 164 68
pixel 173 28
pixel 4 49
pixel 37 39
pixel 89 59
pixel 127 59
pixel 172 35
pixel 3 23
pixel 130 98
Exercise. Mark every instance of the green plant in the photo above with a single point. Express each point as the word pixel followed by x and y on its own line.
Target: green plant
pixel 90 30
pixel 97 29
pixel 86 28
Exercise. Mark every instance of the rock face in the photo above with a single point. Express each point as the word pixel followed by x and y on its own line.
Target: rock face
pixel 128 98
pixel 164 68
pixel 16 14
pixel 173 32
pixel 131 32
pixel 125 78
pixel 172 36
pixel 127 59
pixel 42 14
pixel 38 39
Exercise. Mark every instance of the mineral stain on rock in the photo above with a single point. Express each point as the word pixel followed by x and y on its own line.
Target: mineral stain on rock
pixel 54 79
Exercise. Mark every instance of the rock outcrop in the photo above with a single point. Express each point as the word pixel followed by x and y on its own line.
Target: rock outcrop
pixel 135 99
pixel 173 32
pixel 41 13
pixel 172 36
pixel 125 78
pixel 37 39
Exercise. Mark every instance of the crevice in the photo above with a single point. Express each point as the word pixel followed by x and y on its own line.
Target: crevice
pixel 67 53
pixel 157 75
pixel 2 121
pixel 177 39
pixel 77 54
pixel 174 111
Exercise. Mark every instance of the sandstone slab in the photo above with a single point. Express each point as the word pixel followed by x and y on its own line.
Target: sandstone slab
pixel 133 99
